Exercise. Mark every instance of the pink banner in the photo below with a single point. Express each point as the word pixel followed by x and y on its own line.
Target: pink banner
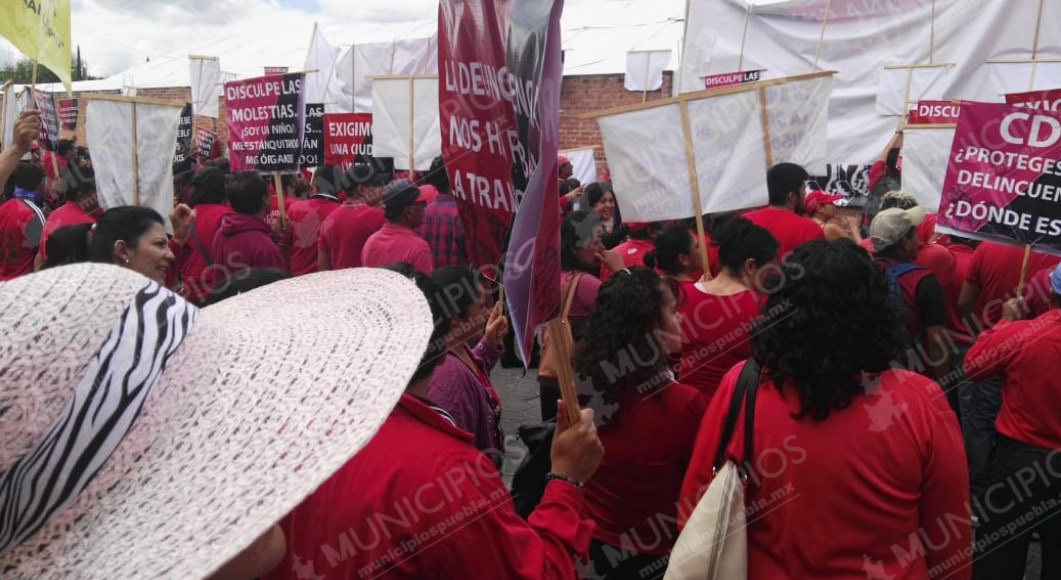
pixel 1003 181
pixel 734 78
pixel 265 122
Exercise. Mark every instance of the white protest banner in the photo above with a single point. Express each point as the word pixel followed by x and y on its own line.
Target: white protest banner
pixel 323 85
pixel 405 118
pixel 12 107
pixel 128 175
pixel 206 84
pixel 410 56
pixel 735 134
pixel 583 164
pixel 900 86
pixel 644 69
pixel 926 152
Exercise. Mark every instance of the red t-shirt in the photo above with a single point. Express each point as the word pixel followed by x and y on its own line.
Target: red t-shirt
pixel 1037 293
pixel 1026 353
pixel 345 231
pixel 21 227
pixel 996 270
pixel 789 229
pixel 715 335
pixel 832 498
pixel 633 254
pixel 395 243
pixel 68 214
pixel 963 261
pixel 646 434
pixel 419 501
pixel 274 208
pixel 306 217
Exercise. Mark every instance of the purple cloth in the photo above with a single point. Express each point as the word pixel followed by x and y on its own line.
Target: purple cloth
pixel 244 241
pixel 456 389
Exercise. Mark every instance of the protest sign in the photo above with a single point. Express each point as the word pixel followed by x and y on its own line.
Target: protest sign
pixel 182 158
pixel 68 114
pixel 500 66
pixel 734 135
pixel 265 123
pixel 313 136
pixel 128 175
pixel 405 120
pixel 323 84
pixel 364 61
pixel 347 138
pixel 206 140
pixel 735 78
pixel 1004 177
pixel 275 70
pixel 205 74
pixel 41 31
pixel 583 164
pixel 933 113
pixel 48 136
pixel 644 69
pixel 1040 100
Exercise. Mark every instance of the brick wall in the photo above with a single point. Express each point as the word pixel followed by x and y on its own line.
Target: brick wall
pixel 584 94
pixel 182 94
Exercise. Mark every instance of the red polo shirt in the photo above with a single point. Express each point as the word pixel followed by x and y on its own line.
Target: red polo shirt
pixel 345 231
pixel 68 214
pixel 306 217
pixel 837 497
pixel 716 333
pixel 21 226
pixel 396 243
pixel 193 257
pixel 419 501
pixel 789 229
pixel 1026 353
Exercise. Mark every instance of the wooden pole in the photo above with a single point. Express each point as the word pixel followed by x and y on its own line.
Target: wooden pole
pixel 744 37
pixel 560 336
pixel 681 61
pixel 136 162
pixel 412 134
pixel 278 184
pixel 821 37
pixel 3 111
pixel 694 186
pixel 765 119
pixel 1024 269
pixel 904 113
pixel 1035 46
pixel 648 61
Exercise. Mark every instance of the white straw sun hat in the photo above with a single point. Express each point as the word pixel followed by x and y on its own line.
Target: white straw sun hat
pixel 266 396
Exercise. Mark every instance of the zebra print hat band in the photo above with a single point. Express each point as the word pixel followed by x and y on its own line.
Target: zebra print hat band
pixel 102 409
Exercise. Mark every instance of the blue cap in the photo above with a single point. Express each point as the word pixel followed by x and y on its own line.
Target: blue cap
pixel 1055 280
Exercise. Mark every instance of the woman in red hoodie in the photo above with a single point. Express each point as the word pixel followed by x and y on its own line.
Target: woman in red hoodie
pixel 244 241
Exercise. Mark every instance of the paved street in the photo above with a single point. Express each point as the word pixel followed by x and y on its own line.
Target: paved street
pixel 519 402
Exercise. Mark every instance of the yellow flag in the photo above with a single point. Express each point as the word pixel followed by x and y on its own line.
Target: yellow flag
pixel 40 29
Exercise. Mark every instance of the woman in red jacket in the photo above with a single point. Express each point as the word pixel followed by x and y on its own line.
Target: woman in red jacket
pixel 858 469
pixel 648 424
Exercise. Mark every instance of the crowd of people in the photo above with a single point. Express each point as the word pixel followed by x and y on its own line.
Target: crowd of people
pixel 904 427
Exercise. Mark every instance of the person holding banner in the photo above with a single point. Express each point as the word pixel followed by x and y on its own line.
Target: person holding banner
pixel 787 187
pixel 465 525
pixel 22 222
pixel 1025 354
pixel 397 241
pixel 56 160
pixel 346 230
pixel 648 422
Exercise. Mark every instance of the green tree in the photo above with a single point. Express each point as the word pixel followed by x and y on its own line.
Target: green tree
pixel 21 72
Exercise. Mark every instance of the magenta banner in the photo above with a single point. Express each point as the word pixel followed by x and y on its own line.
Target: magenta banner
pixel 1003 181
pixel 265 122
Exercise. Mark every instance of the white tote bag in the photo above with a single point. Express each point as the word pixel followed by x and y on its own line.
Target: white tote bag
pixel 714 543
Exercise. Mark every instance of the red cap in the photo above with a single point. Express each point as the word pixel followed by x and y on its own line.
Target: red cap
pixel 818 198
pixel 562 159
pixel 428 193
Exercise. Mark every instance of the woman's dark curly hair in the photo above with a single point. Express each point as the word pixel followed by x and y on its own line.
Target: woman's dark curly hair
pixel 829 318
pixel 672 243
pixel 619 348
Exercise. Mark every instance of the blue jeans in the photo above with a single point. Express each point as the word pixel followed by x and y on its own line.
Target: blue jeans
pixel 980 402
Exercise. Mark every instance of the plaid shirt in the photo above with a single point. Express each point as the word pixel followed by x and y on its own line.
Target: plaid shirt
pixel 444 232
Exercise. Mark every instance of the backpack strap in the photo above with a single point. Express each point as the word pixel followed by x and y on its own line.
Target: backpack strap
pixel 199 246
pixel 747 386
pixel 902 268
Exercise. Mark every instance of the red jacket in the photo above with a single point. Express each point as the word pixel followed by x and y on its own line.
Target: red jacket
pixel 192 264
pixel 420 502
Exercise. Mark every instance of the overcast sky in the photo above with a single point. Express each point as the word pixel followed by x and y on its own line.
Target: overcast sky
pixel 117 34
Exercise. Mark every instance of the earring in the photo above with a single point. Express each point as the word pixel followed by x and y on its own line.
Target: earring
pixel 126 260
